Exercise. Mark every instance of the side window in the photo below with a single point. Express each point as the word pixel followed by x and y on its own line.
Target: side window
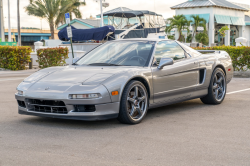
pixel 168 49
pixel 191 51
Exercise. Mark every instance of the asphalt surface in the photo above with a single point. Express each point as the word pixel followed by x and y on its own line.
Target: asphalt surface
pixel 188 133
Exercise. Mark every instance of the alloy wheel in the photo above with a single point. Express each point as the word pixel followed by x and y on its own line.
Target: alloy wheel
pixel 219 88
pixel 137 102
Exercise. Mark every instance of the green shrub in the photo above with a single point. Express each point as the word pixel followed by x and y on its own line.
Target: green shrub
pixel 14 57
pixel 171 37
pixel 240 55
pixel 202 38
pixel 49 57
pixel 189 38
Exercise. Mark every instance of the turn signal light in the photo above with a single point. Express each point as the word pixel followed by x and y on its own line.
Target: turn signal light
pixel 229 69
pixel 114 93
pixel 19 92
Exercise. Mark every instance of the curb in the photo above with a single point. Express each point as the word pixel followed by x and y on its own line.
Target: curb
pixel 242 74
pixel 2 69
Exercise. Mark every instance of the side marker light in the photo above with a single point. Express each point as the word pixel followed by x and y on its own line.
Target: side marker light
pixel 114 93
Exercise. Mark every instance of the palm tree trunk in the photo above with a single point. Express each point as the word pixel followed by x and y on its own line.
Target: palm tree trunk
pixel 179 35
pixel 193 33
pixel 52 29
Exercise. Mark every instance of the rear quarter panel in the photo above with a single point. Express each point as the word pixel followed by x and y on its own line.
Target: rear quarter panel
pixel 218 59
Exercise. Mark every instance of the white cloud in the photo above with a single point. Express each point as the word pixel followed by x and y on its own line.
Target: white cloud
pixel 93 8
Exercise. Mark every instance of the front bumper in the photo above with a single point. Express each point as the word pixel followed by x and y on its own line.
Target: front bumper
pixel 103 110
pixel 71 117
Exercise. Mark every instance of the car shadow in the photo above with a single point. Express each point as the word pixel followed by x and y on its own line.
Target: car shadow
pixel 176 108
pixel 112 123
pixel 71 124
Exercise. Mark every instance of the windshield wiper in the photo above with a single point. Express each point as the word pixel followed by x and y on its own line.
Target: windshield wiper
pixel 103 64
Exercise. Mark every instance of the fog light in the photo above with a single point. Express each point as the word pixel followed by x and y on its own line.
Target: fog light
pixel 85 96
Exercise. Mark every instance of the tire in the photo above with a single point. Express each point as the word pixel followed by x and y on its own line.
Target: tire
pixel 134 103
pixel 217 88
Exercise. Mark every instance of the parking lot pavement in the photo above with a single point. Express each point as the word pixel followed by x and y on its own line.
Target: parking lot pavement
pixel 188 133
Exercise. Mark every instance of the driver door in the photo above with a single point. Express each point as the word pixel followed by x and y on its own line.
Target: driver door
pixel 174 82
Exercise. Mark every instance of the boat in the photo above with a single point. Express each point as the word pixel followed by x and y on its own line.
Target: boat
pixel 135 23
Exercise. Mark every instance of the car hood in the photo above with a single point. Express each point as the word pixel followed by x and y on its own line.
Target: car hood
pixel 71 79
pixel 63 78
pixel 78 74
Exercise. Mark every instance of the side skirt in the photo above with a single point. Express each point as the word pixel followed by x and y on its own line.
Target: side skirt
pixel 197 94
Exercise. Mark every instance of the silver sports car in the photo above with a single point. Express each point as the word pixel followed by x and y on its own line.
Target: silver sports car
pixel 123 79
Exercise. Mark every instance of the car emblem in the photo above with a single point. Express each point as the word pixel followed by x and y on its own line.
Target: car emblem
pixel 47 88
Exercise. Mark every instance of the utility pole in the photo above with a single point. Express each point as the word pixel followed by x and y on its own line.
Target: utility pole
pixel 2 36
pixel 101 13
pixel 41 23
pixel 18 24
pixel 9 32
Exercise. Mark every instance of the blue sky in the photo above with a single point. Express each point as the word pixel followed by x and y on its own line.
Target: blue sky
pixel 93 8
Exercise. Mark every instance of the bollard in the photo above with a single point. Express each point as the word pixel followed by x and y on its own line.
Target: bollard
pixel 31 63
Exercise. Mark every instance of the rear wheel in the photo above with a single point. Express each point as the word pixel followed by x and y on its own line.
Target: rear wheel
pixel 134 103
pixel 217 88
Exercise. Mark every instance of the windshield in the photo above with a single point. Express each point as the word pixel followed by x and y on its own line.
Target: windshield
pixel 119 53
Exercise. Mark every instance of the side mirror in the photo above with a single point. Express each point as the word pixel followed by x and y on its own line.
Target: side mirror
pixel 165 62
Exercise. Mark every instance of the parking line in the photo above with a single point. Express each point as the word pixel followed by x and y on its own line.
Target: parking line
pixel 238 91
pixel 21 78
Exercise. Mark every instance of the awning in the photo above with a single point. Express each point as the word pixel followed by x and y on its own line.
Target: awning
pixel 247 23
pixel 231 20
pixel 205 16
pixel 221 19
pixel 238 21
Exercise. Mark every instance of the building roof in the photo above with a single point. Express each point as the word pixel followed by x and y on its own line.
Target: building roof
pixel 87 22
pixel 94 23
pixel 247 18
pixel 242 5
pixel 209 3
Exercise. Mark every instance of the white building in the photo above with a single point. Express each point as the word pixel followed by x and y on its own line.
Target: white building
pixel 218 13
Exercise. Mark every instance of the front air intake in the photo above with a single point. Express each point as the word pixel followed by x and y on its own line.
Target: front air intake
pixel 21 103
pixel 47 106
pixel 84 108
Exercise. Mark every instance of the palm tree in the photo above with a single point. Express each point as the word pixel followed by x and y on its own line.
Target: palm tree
pixel 202 38
pixel 180 22
pixel 69 6
pixel 198 22
pixel 52 10
pixel 222 32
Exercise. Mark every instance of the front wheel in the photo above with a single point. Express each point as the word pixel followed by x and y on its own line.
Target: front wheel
pixel 217 88
pixel 134 103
